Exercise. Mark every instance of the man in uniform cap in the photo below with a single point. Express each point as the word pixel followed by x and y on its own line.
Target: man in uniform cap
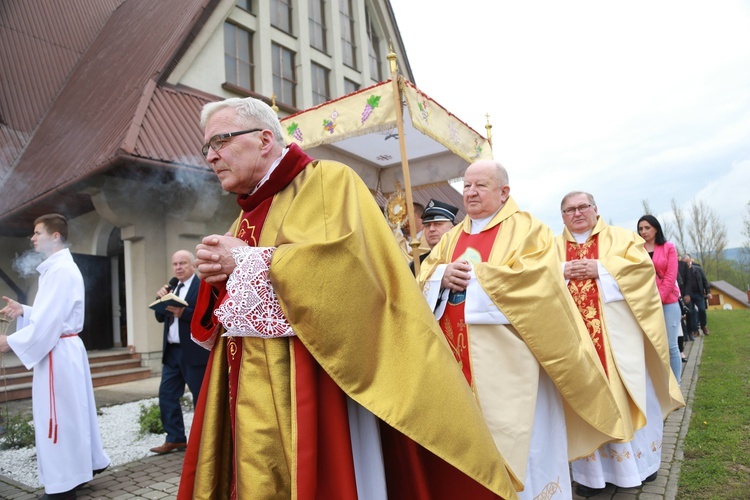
pixel 437 219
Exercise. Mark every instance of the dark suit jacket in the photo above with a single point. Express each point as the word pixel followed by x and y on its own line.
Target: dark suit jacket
pixel 683 277
pixel 700 277
pixel 693 275
pixel 421 259
pixel 194 354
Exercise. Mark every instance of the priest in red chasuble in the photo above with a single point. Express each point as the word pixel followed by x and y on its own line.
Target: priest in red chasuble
pixel 328 375
pixel 611 279
pixel 495 284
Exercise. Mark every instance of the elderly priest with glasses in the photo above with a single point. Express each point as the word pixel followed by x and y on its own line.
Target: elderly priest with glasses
pixel 327 377
pixel 611 279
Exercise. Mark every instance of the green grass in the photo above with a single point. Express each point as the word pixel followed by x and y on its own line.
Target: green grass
pixel 717 447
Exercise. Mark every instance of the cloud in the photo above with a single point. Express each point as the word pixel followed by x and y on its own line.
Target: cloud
pixel 628 100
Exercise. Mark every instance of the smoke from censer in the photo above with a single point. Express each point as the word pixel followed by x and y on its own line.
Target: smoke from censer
pixel 25 264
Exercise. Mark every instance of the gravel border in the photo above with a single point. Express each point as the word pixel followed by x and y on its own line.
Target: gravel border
pixel 119 428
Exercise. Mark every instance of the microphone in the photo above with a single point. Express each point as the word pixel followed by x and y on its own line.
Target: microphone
pixel 172 284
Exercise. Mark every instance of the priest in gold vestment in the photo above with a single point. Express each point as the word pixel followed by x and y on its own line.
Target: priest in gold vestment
pixel 328 376
pixel 611 279
pixel 495 284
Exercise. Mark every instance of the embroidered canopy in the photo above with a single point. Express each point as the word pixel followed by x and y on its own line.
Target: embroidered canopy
pixel 363 125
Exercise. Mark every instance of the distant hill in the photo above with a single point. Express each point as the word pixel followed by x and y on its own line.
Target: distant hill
pixel 734 253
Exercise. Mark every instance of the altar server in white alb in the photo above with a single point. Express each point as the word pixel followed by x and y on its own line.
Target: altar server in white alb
pixel 68 445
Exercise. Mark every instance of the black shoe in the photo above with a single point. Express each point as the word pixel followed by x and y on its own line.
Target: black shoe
pixel 651 478
pixel 585 491
pixel 99 471
pixel 684 360
pixel 67 495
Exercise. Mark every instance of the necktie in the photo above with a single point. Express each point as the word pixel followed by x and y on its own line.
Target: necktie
pixel 177 293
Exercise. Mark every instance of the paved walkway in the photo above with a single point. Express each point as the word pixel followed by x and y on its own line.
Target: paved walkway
pixel 158 477
pixel 675 430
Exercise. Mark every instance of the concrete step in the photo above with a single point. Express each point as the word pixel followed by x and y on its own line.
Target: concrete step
pixel 107 367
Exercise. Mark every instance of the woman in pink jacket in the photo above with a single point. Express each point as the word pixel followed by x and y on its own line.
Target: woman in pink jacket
pixel 664 256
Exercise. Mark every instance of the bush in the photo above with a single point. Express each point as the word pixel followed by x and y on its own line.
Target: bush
pixel 150 420
pixel 19 432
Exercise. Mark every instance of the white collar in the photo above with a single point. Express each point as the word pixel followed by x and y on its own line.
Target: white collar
pixel 188 281
pixel 478 225
pixel 270 170
pixel 582 237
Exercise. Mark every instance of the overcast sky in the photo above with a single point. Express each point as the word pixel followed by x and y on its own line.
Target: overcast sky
pixel 629 100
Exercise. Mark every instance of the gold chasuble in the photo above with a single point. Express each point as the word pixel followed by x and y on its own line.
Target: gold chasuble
pixel 271 418
pixel 636 324
pixel 522 277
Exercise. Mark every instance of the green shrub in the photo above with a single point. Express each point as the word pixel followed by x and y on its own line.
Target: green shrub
pixel 150 420
pixel 19 432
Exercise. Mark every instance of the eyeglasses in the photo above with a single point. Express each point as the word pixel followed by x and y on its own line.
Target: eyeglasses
pixel 217 142
pixel 580 208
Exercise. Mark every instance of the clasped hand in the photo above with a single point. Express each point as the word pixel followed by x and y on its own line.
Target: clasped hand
pixel 456 276
pixel 213 257
pixel 581 269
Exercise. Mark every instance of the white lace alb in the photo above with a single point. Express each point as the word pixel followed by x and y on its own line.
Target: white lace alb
pixel 251 308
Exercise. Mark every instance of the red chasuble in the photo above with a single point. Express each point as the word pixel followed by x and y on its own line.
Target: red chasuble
pixel 452 323
pixel 586 294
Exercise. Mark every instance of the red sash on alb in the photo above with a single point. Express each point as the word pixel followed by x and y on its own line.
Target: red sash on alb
pixel 586 294
pixel 452 323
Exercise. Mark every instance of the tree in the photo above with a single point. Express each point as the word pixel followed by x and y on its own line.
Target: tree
pixel 718 239
pixel 699 229
pixel 744 264
pixel 708 235
pixel 680 227
pixel 746 229
pixel 646 207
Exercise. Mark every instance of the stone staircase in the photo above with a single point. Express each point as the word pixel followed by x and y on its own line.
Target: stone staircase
pixel 112 366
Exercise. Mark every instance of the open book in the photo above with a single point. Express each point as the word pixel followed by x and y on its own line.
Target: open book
pixel 170 299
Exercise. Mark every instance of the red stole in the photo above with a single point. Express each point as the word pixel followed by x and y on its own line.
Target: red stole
pixel 452 323
pixel 586 294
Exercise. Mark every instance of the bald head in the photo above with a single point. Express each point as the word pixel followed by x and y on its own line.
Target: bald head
pixel 182 265
pixel 486 188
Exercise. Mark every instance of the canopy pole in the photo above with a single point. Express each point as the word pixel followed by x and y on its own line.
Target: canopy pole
pixel 488 127
pixel 404 162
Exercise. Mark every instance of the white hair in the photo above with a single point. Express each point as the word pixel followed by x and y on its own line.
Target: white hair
pixel 253 112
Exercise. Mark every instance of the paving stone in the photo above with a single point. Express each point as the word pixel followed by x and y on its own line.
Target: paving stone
pixel 654 488
pixel 155 495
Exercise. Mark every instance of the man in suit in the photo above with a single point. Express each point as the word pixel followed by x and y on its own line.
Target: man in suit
pixel 695 291
pixel 183 361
